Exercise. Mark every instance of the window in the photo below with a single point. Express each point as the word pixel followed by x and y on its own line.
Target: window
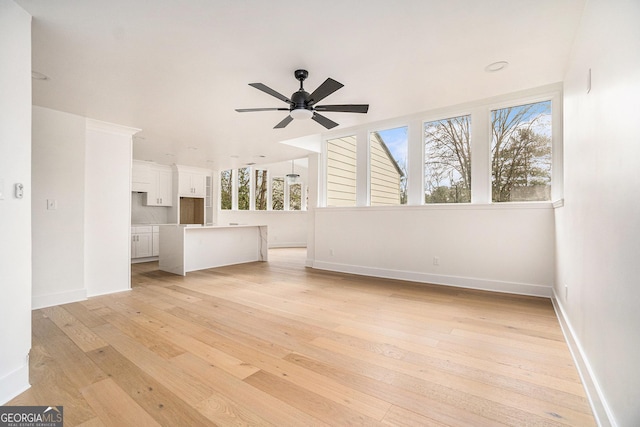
pixel 295 197
pixel 226 189
pixel 261 190
pixel 388 167
pixel 447 160
pixel 521 153
pixel 277 193
pixel 341 171
pixel 244 188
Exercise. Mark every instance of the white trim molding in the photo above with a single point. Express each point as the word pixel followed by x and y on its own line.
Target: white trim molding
pixel 601 410
pixel 58 298
pixel 100 126
pixel 14 383
pixel 438 279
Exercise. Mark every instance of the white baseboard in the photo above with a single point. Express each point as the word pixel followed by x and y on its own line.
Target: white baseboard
pixel 601 410
pixel 288 245
pixel 14 383
pixel 42 301
pixel 438 279
pixel 109 293
pixel 147 259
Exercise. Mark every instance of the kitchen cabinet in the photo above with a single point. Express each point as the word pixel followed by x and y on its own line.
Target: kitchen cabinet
pixel 161 188
pixel 155 241
pixel 191 183
pixel 141 176
pixel 141 241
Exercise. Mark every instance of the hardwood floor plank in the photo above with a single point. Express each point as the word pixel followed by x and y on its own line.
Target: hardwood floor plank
pixel 156 343
pixel 84 315
pixel 79 333
pixel 397 416
pixel 275 343
pixel 162 405
pixel 189 388
pixel 119 409
pixel 308 401
pixel 50 386
pixel 515 410
pixel 377 381
pixel 271 408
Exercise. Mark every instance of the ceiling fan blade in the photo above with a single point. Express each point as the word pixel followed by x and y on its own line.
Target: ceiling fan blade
pixel 324 121
pixel 267 89
pixel 284 122
pixel 247 110
pixel 347 108
pixel 325 89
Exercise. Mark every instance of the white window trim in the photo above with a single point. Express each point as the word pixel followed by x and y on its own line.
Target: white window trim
pixel 480 112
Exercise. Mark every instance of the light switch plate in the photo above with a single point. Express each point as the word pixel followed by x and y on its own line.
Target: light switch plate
pixel 19 189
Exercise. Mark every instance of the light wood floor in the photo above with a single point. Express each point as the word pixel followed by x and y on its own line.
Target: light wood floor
pixel 277 344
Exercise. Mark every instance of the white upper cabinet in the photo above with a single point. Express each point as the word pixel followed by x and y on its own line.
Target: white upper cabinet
pixel 192 182
pixel 161 190
pixel 141 176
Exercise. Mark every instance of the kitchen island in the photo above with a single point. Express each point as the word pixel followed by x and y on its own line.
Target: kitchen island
pixel 185 248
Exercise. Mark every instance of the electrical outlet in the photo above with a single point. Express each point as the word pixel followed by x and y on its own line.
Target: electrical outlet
pixel 436 260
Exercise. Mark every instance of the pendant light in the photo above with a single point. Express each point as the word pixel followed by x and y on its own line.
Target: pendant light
pixel 292 177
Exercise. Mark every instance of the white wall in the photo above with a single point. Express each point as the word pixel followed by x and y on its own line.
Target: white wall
pixel 284 228
pixel 598 229
pixel 107 221
pixel 506 248
pixel 82 247
pixel 15 214
pixel 58 151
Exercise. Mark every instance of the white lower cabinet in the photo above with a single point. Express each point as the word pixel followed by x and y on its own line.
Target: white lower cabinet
pixel 141 242
pixel 156 241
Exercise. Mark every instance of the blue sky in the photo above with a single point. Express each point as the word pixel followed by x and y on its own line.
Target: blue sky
pixel 397 142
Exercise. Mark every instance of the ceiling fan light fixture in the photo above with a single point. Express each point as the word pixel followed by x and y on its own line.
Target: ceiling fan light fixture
pixel 293 177
pixel 301 114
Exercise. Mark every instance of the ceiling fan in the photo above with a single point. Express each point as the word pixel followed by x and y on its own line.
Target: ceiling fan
pixel 302 105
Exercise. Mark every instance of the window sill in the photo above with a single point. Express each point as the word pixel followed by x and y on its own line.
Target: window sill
pixel 448 206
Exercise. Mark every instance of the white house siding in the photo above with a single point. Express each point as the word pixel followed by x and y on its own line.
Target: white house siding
pixel 385 177
pixel 341 171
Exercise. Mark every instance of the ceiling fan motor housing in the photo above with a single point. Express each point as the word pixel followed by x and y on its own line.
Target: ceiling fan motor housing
pixel 300 99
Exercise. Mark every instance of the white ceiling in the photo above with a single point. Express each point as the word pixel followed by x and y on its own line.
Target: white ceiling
pixel 177 69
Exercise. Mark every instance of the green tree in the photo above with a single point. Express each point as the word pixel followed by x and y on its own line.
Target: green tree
pixel 295 197
pixel 225 189
pixel 261 190
pixel 244 178
pixel 448 160
pixel 277 194
pixel 521 153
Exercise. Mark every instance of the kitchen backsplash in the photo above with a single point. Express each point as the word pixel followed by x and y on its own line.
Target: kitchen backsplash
pixel 141 214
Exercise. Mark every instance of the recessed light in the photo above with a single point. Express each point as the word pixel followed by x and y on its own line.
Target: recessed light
pixel 168 154
pixel 496 66
pixel 38 76
pixel 191 147
pixel 235 156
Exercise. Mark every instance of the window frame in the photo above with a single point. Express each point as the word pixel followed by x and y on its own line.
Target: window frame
pixel 480 112
pixel 446 116
pixel 369 166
